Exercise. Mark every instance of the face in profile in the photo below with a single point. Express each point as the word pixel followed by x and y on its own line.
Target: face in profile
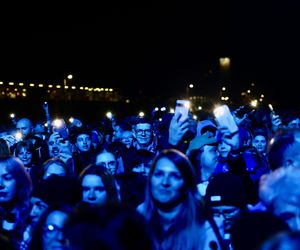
pixel 166 182
pixel 38 207
pixel 93 190
pixel 8 185
pixel 53 237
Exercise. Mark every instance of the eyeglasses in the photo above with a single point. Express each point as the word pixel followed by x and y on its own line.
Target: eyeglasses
pixel 51 230
pixel 141 131
pixel 228 212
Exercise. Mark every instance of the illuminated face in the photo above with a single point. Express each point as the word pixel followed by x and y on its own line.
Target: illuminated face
pixel 53 237
pixel 24 126
pixel 53 146
pixel 127 138
pixel 54 169
pixel 38 207
pixel 143 134
pixel 93 190
pixel 83 142
pixel 166 182
pixel 260 143
pixel 107 160
pixel 8 185
pixel 117 132
pixel 25 156
pixel 223 149
pixel 289 211
pixel 209 157
pixel 142 168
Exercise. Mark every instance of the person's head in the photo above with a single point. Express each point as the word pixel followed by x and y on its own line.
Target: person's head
pixel 54 166
pixel 283 240
pixel 24 125
pixel 127 138
pixel 24 150
pixel 226 196
pixel 171 179
pixel 107 160
pixel 15 182
pixel 108 227
pixel 260 140
pixel 4 148
pixel 142 132
pixel 142 161
pixel 52 190
pixel 48 234
pixel 282 193
pixel 81 137
pixel 203 153
pixel 98 185
pixel 284 140
pixel 118 128
pixel 223 149
pixel 251 229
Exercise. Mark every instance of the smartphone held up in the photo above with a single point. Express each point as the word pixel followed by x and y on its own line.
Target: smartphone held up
pixel 224 118
pixel 182 107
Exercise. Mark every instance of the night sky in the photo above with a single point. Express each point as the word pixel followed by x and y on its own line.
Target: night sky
pixel 155 47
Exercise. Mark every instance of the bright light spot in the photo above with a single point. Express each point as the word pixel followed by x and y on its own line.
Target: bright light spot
pixel 223 88
pixel 191 86
pixel 18 136
pixel 109 115
pixel 141 114
pixel 172 110
pixel 57 123
pixel 70 77
pixel 12 115
pixel 71 119
pixel 199 108
pixel 163 109
pixel 253 103
pixel 195 117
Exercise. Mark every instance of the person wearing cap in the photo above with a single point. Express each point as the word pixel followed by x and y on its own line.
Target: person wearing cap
pixel 226 197
pixel 203 153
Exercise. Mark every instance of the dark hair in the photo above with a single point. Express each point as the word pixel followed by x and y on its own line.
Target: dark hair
pixel 27 144
pixel 21 201
pixel 108 227
pixel 107 178
pixel 37 235
pixel 57 161
pixel 4 148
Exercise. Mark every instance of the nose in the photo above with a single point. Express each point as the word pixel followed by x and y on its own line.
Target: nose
pixel 165 181
pixel 91 195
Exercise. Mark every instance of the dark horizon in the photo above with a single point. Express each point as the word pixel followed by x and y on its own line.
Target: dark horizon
pixel 157 49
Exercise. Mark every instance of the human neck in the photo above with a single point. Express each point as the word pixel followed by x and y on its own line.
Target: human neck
pixel 167 216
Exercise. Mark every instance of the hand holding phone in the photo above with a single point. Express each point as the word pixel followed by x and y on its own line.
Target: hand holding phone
pixel 182 107
pixel 224 118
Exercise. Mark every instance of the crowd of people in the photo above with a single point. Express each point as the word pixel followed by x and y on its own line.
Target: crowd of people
pixel 154 183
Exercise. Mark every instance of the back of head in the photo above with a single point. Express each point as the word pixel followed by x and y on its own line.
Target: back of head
pixel 58 189
pixel 226 189
pixel 251 229
pixel 109 227
pixel 282 140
